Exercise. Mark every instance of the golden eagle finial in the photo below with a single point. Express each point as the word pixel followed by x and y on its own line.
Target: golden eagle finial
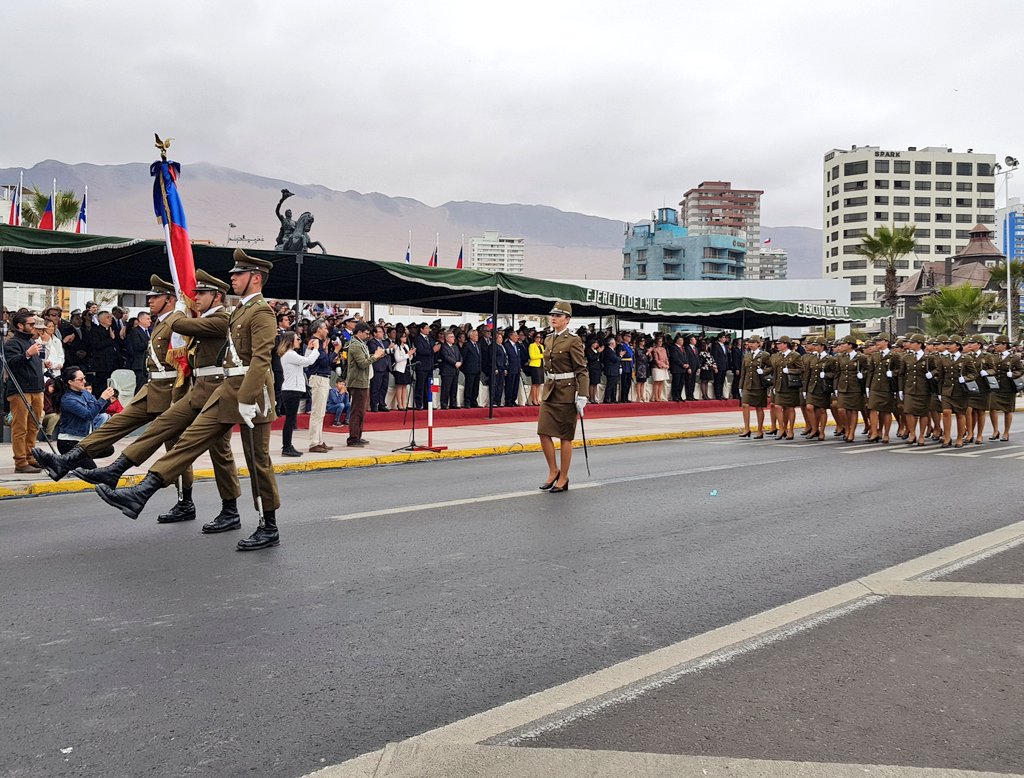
pixel 163 145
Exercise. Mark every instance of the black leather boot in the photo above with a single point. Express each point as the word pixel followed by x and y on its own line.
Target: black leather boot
pixel 131 500
pixel 227 519
pixel 58 465
pixel 108 475
pixel 265 535
pixel 183 510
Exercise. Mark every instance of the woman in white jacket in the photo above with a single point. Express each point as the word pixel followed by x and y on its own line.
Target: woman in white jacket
pixel 293 388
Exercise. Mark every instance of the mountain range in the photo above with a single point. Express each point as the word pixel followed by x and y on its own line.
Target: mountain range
pixel 372 225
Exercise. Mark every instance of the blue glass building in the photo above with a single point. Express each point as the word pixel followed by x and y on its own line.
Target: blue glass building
pixel 662 250
pixel 1013 235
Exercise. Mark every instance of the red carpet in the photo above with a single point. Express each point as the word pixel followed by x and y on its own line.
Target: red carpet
pixel 396 420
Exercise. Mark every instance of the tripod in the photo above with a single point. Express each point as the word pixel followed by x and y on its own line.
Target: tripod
pixel 413 445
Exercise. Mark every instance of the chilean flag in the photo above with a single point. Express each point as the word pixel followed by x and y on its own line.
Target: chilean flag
pixel 168 208
pixel 408 254
pixel 82 228
pixel 46 220
pixel 458 265
pixel 433 258
pixel 15 219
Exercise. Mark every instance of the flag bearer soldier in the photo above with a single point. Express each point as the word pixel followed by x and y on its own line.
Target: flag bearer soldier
pixel 850 371
pixel 978 405
pixel 566 387
pixel 958 369
pixel 245 397
pixel 1009 367
pixel 881 387
pixel 788 386
pixel 755 377
pixel 916 388
pixel 149 402
pixel 206 350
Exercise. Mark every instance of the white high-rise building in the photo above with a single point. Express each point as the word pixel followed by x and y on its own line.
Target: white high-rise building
pixel 766 264
pixel 941 192
pixel 496 254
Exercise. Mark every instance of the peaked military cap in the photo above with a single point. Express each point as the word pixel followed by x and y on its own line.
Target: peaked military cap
pixel 783 339
pixel 561 307
pixel 1002 339
pixel 159 286
pixel 750 338
pixel 244 262
pixel 882 336
pixel 915 337
pixel 850 340
pixel 207 283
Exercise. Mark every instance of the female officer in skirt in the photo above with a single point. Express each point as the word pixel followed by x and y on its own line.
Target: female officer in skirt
pixel 566 385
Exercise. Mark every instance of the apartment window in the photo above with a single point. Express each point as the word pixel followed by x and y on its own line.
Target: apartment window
pixel 963 218
pixel 986 186
pixel 881 216
pixel 881 183
pixel 835 172
pixel 625 258
pixel 902 264
pixel 965 168
pixel 943 248
pixel 835 221
pixel 860 216
pixel 963 202
pixel 944 218
pixel 984 169
pixel 878 280
pixel 858 280
pixel 858 297
pixel 855 264
pixel 944 186
pixel 943 234
pixel 625 274
pixel 641 270
pixel 854 249
pixel 922 217
pixel 964 186
pixel 901 216
pixel 923 202
pixel 986 218
pixel 855 186
pixel 986 203
pixel 925 233
pixel 921 250
pixel 855 168
pixel 901 166
pixel 641 255
pixel 835 267
pixel 881 166
pixel 943 202
pixel 835 252
pixel 881 200
pixel 922 168
pixel 835 190
pixel 853 202
pixel 901 201
pixel 963 234
pixel 943 168
pixel 835 235
pixel 901 185
pixel 923 186
pixel 835 205
pixel 857 232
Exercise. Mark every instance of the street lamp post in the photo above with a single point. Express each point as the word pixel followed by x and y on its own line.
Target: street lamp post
pixel 1011 165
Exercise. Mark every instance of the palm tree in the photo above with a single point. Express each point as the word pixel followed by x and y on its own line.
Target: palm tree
pixel 884 249
pixel 957 309
pixel 65 213
pixel 1016 280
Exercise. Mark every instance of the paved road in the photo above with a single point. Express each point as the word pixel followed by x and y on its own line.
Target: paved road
pixel 149 649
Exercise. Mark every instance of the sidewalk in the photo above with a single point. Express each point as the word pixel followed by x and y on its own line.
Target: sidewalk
pixel 481 438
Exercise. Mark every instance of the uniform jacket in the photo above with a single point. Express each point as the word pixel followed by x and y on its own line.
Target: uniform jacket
pixel 206 349
pixel 913 378
pixel 253 328
pixel 988 362
pixel 793 361
pixel 564 354
pixel 880 365
pixel 749 378
pixel 1013 364
pixel 814 366
pixel 157 394
pixel 846 372
pixel 955 369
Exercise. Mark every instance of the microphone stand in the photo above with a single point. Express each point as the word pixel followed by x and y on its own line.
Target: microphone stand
pixel 413 445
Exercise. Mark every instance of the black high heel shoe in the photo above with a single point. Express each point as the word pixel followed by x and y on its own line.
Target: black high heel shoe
pixel 545 486
pixel 745 434
pixel 559 489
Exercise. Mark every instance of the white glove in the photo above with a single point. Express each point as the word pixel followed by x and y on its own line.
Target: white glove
pixel 867 392
pixel 581 403
pixel 785 370
pixel 760 371
pixel 1009 374
pixel 940 398
pixel 888 374
pixel 247 412
pixel 821 374
pixel 901 396
pixel 963 380
pixel 929 375
pixel 860 376
pixel 984 373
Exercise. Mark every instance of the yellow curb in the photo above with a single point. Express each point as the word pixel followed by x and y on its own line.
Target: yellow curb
pixel 70 487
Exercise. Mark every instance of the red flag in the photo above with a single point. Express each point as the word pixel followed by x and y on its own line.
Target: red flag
pixel 46 220
pixel 433 258
pixel 458 265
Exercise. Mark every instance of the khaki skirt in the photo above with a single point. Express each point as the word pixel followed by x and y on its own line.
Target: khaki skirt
pixel 980 402
pixel 1003 402
pixel 957 403
pixel 757 398
pixel 788 398
pixel 851 401
pixel 881 401
pixel 917 404
pixel 819 400
pixel 557 420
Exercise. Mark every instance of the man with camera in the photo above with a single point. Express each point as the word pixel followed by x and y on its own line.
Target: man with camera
pixel 360 362
pixel 23 357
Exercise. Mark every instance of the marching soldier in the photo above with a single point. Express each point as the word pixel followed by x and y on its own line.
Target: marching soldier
pixel 1009 368
pixel 207 346
pixel 788 385
pixel 882 385
pixel 149 402
pixel 916 389
pixel 958 369
pixel 850 370
pixel 566 386
pixel 755 378
pixel 245 397
pixel 819 381
pixel 939 362
pixel 899 349
pixel 978 405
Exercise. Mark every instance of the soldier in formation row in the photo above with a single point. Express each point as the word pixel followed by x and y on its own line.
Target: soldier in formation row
pixel 941 389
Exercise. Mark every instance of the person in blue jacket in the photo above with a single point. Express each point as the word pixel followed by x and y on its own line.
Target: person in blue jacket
pixel 78 411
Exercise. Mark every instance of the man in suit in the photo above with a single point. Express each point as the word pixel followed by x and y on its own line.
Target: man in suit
pixel 500 369
pixel 451 361
pixel 692 367
pixel 472 364
pixel 104 357
pixel 137 345
pixel 612 366
pixel 245 398
pixel 514 369
pixel 76 346
pixel 735 367
pixel 677 366
pixel 720 353
pixel 381 370
pixel 425 349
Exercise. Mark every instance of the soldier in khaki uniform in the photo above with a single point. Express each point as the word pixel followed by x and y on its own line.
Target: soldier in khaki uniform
pixel 245 397
pixel 564 396
pixel 788 386
pixel 149 402
pixel 978 405
pixel 1008 367
pixel 819 374
pixel 755 378
pixel 881 386
pixel 958 369
pixel 850 372
pixel 207 345
pixel 916 389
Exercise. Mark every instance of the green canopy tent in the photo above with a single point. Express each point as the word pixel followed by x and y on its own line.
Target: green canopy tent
pixel 28 256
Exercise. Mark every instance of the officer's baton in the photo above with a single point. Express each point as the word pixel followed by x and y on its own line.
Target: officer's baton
pixel 586 456
pixel 254 477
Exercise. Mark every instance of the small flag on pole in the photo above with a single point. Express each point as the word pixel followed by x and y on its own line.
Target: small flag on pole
pixel 767 241
pixel 408 255
pixel 433 258
pixel 458 264
pixel 15 218
pixel 46 220
pixel 82 228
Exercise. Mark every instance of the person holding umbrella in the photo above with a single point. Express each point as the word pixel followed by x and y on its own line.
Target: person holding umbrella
pixel 566 385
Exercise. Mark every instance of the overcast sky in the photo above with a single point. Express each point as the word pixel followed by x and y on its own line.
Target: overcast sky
pixel 608 108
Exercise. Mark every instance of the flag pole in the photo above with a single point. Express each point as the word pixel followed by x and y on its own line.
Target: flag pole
pixel 54 201
pixel 21 195
pixel 85 209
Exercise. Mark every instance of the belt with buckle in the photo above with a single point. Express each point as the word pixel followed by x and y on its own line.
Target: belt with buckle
pixel 162 375
pixel 560 376
pixel 233 371
pixel 209 372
